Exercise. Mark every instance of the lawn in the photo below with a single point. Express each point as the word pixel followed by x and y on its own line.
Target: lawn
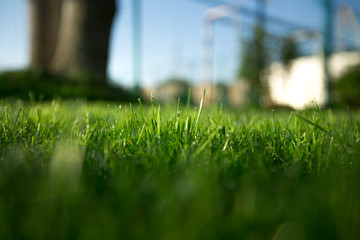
pixel 85 170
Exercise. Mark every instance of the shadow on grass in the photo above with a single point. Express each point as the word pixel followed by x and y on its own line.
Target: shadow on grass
pixel 39 86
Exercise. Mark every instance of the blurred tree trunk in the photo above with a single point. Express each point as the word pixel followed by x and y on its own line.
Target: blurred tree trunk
pixel 84 37
pixel 77 33
pixel 44 20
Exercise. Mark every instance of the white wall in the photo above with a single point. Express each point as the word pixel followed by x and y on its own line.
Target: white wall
pixel 304 81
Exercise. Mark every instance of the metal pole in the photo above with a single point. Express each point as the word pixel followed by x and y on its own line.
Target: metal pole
pixel 136 35
pixel 328 43
pixel 207 51
pixel 260 12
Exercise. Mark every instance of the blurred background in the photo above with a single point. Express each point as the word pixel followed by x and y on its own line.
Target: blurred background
pixel 274 53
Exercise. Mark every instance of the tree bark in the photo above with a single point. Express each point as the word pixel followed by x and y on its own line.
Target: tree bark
pixel 45 21
pixel 83 38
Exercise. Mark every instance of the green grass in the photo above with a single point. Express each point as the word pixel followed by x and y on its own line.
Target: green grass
pixel 74 170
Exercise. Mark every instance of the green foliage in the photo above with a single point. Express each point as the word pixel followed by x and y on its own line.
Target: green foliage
pixel 288 50
pixel 178 85
pixel 347 89
pixel 255 59
pixel 74 170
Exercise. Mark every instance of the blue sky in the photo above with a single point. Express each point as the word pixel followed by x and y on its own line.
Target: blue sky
pixel 172 37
